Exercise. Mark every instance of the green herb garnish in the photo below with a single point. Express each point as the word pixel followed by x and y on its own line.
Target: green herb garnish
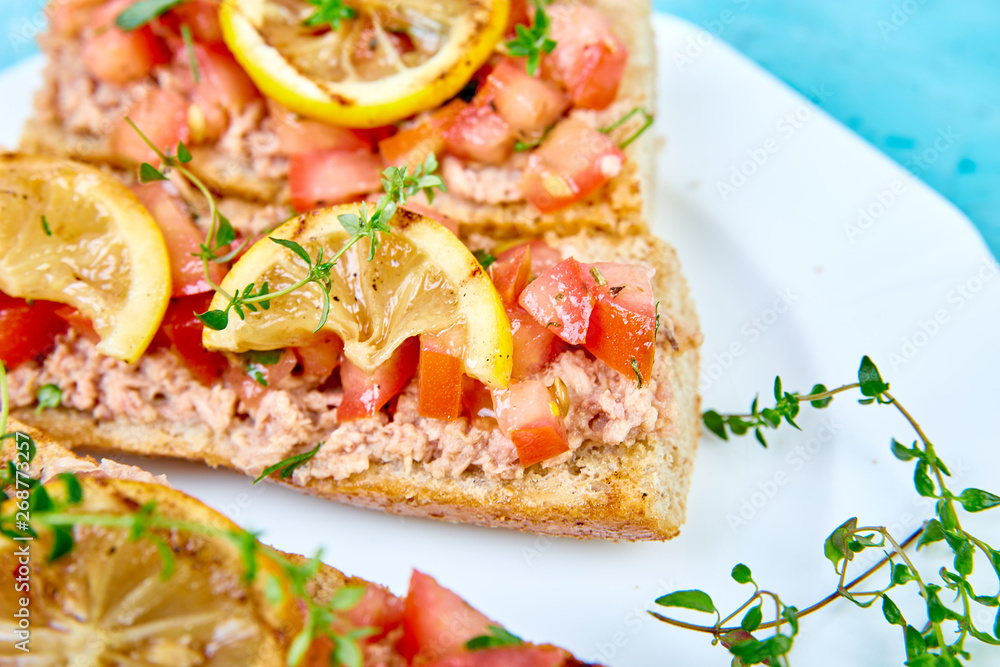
pixel 49 396
pixel 192 56
pixel 288 466
pixel 496 637
pixel 532 41
pixel 648 119
pixel 926 643
pixel 143 12
pixel 484 258
pixel 331 12
pixel 45 226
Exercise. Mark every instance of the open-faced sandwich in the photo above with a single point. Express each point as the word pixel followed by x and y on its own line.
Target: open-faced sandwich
pixel 534 108
pixel 103 564
pixel 552 392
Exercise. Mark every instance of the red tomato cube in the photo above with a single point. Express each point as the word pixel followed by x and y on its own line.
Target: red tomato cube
pixel 589 59
pixel 27 331
pixel 535 346
pixel 528 416
pixel 480 134
pixel 529 105
pixel 623 324
pixel 325 178
pixel 365 395
pixel 436 621
pixel 559 300
pixel 440 376
pixel 572 162
pixel 511 273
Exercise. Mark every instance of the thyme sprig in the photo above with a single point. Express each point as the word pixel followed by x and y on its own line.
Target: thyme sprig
pixel 532 41
pixel 925 646
pixel 54 508
pixel 330 12
pixel 397 183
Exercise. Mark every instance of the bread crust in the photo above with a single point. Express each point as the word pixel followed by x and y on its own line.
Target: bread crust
pixel 621 205
pixel 608 491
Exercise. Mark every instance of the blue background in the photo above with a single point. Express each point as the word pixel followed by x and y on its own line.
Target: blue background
pixel 900 73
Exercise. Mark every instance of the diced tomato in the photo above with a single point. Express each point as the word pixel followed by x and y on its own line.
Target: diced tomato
pixel 529 105
pixel 523 655
pixel 182 237
pixel 559 300
pixel 436 621
pixel 222 91
pixel 543 256
pixel 480 134
pixel 589 59
pixel 378 609
pixel 411 147
pixel 69 17
pixel 477 403
pixel 184 331
pixel 511 273
pixel 27 331
pixel 248 388
pixel 78 321
pixel 365 395
pixel 324 178
pixel 535 346
pixel 201 16
pixel 301 135
pixel 320 357
pixel 162 117
pixel 528 416
pixel 519 15
pixel 623 324
pixel 573 161
pixel 119 57
pixel 440 376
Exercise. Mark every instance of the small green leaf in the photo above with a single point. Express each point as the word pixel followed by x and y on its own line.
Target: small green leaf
pixel 977 500
pixel 49 396
pixel 74 492
pixel 777 389
pixel 742 575
pixel 496 637
pixel 901 574
pixel 932 532
pixel 263 357
pixel 183 154
pixel 347 598
pixel 759 434
pixel 965 558
pixel 752 619
pixel 300 645
pixel 484 258
pixel 946 513
pixel 891 612
pixel 168 562
pixel 294 247
pixel 915 644
pixel 288 466
pixel 692 599
pixel 148 173
pixel 822 402
pixel 715 423
pixel 257 374
pixel 996 626
pixel 40 501
pixel 791 614
pixel 45 226
pixel 922 480
pixel 273 591
pixel 835 547
pixel 870 380
pixel 225 234
pixel 346 652
pixel 936 611
pixel 902 452
pixel 214 319
pixel 350 222
pixel 143 12
pixel 62 542
pixel 754 652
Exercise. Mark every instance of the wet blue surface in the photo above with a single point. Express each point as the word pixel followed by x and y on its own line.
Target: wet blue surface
pixel 919 79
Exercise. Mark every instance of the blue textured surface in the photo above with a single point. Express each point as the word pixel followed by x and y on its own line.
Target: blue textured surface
pixel 919 79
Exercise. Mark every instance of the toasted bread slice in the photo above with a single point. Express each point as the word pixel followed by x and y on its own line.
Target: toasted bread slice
pixel 280 622
pixel 69 123
pixel 631 485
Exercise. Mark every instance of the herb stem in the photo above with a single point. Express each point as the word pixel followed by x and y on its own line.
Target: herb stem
pixel 718 631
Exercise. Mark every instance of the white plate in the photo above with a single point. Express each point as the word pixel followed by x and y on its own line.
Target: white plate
pixel 787 281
